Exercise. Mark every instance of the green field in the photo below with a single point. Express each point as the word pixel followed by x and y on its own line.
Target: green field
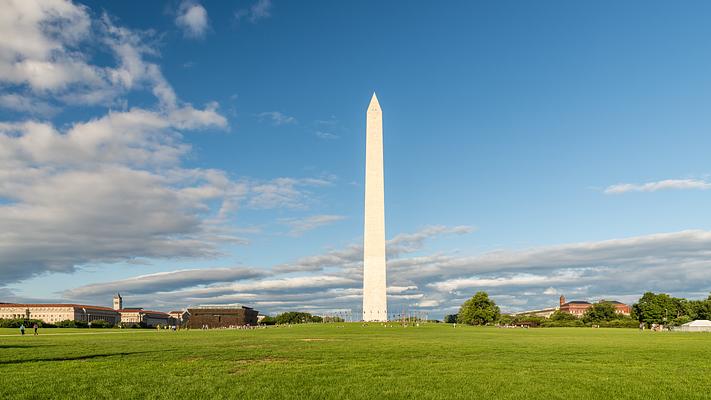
pixel 355 362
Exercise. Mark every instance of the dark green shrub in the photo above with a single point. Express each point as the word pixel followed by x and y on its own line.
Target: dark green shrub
pixel 101 324
pixel 563 323
pixel 68 323
pixel 625 322
pixel 294 317
pixel 451 318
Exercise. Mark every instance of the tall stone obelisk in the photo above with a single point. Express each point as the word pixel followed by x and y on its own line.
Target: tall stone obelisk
pixel 375 301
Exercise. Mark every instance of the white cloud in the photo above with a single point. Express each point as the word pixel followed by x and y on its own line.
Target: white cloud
pixel 295 284
pixel 42 55
pixel 37 39
pixel 259 10
pixel 351 256
pixel 164 282
pixel 139 137
pixel 299 226
pixel 411 242
pixel 518 279
pixel 428 303
pixel 566 276
pixel 27 104
pixel 57 220
pixel 283 192
pixel 277 118
pixel 192 19
pixel 668 184
pixel 325 135
pixel 111 188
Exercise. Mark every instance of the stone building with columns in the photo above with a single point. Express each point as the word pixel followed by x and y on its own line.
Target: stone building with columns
pixel 53 313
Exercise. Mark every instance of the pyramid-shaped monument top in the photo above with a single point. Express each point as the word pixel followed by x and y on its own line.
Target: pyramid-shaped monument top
pixel 374 105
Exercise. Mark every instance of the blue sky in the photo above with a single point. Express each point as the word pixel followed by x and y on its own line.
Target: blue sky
pixel 213 152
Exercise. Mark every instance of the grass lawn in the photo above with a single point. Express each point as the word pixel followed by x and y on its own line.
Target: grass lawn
pixel 354 362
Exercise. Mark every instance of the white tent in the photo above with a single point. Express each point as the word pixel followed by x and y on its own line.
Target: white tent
pixel 700 325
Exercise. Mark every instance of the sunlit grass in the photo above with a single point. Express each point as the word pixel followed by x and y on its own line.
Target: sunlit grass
pixel 352 361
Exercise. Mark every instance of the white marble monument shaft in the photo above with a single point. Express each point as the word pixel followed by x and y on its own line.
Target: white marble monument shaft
pixel 375 306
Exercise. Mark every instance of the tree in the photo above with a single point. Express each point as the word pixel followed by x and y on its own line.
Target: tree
pixel 16 322
pixel 293 317
pixel 562 316
pixel 479 310
pixel 528 319
pixel 600 312
pixel 450 318
pixel 267 320
pixel 659 308
pixel 100 323
pixel 699 309
pixel 562 319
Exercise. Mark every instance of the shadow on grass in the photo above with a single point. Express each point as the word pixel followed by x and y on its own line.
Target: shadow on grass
pixel 86 357
pixel 16 346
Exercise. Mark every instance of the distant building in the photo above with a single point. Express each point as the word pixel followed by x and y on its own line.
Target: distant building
pixel 544 312
pixel 578 307
pixel 575 307
pixel 53 313
pixel 620 308
pixel 221 316
pixel 140 316
pixel 118 302
pixel 179 317
pixel 700 325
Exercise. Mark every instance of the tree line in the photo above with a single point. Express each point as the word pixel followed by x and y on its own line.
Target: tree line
pixel 652 308
pixel 17 322
pixel 295 317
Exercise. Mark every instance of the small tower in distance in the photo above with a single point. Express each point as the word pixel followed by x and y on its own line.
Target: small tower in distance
pixel 118 302
pixel 562 299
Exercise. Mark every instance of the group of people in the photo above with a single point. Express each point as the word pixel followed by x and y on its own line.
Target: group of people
pixel 34 326
pixel 205 327
pixel 168 327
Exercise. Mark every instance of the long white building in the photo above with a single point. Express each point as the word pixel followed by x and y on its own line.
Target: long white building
pixel 53 313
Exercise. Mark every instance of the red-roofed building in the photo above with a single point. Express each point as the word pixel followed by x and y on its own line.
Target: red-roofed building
pixel 180 317
pixel 578 307
pixel 53 313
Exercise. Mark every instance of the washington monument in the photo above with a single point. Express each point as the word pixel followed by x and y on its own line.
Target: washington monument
pixel 375 301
